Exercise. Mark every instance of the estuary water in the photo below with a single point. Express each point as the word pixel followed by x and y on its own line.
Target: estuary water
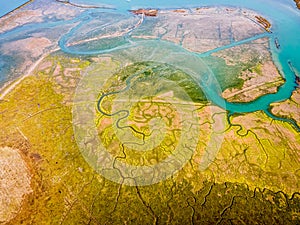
pixel 285 19
pixel 284 16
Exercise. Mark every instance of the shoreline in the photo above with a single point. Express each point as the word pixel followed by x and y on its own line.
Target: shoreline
pixel 10 85
pixel 297 3
pixel 6 89
pixel 68 2
pixel 19 7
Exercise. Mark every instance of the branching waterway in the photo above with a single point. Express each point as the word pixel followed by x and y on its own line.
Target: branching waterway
pixel 281 58
pixel 285 20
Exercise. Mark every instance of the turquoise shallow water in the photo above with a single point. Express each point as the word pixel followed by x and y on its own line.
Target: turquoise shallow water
pixel 285 19
pixel 10 5
pixel 284 16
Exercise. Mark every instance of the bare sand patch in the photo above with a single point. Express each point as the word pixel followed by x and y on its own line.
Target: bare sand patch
pixel 14 183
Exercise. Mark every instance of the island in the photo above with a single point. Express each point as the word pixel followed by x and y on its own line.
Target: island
pixel 297 3
pixel 146 12
pixel 153 116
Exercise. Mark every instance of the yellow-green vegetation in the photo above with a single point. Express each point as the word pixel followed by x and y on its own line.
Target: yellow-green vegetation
pixel 164 71
pixel 289 108
pixel 257 69
pixel 64 71
pixel 138 126
pixel 253 179
pixel 226 75
pixel 148 112
pixel 259 152
pixel 246 72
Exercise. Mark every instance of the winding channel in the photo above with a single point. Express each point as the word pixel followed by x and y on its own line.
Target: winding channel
pixel 126 112
pixel 285 22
